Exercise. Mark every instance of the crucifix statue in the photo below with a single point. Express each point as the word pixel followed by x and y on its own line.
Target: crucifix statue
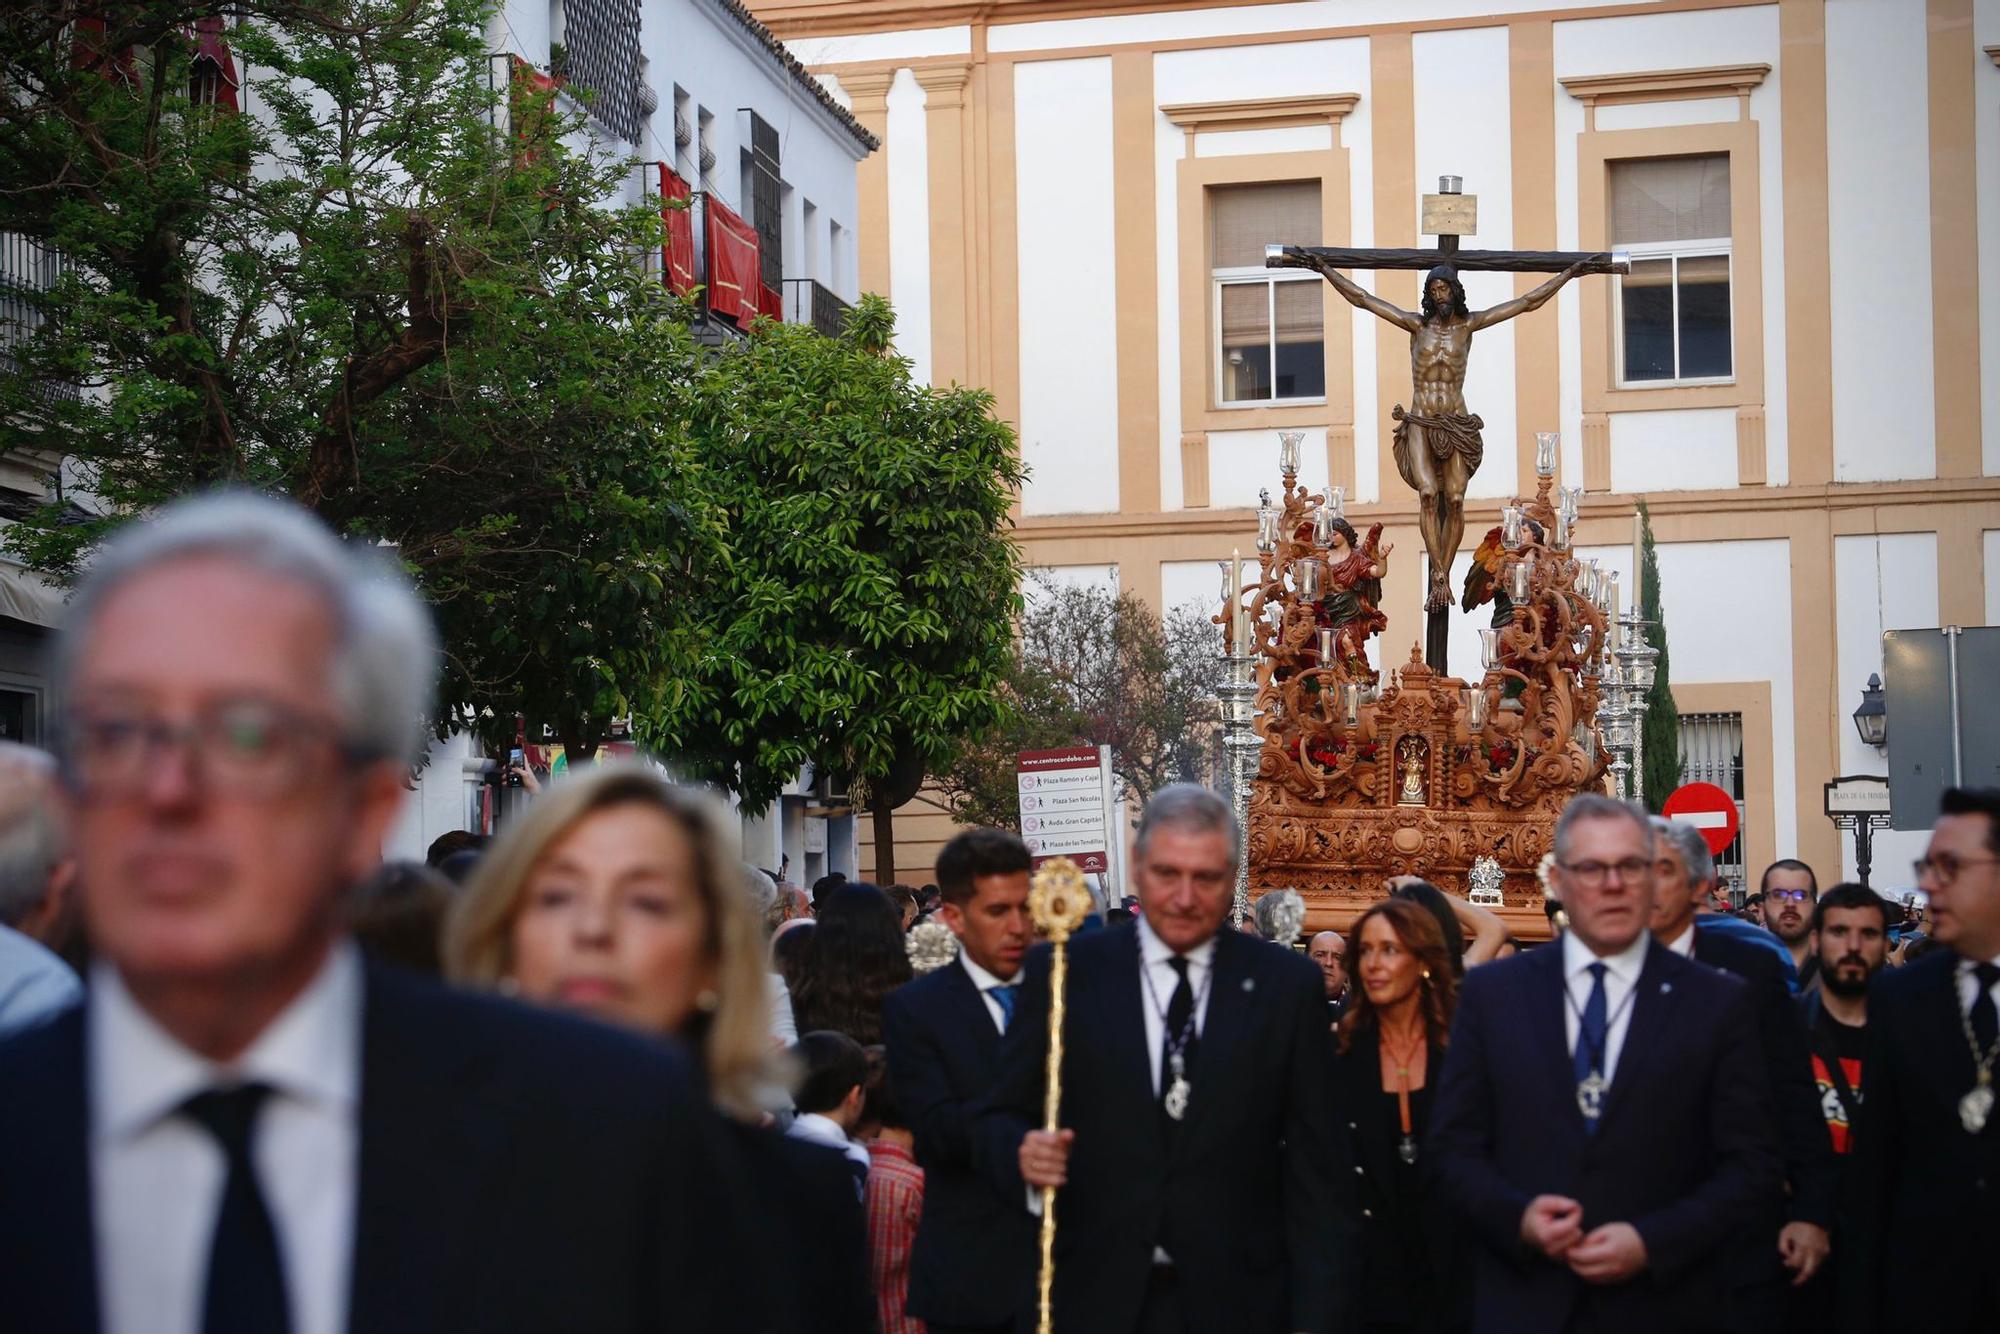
pixel 1437 442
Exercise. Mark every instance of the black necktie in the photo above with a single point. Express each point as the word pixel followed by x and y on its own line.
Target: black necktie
pixel 1180 1014
pixel 1985 1022
pixel 245 1292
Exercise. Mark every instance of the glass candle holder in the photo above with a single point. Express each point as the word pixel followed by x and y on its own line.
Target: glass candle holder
pixel 1288 452
pixel 1475 709
pixel 1267 528
pixel 1562 531
pixel 1309 579
pixel 1323 526
pixel 1510 526
pixel 1545 453
pixel 1517 581
pixel 1489 648
pixel 1325 646
pixel 1336 500
pixel 1351 698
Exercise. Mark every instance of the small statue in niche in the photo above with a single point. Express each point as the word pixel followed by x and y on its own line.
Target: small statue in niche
pixel 1353 584
pixel 1411 754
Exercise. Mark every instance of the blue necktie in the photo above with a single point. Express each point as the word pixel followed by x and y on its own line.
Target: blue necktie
pixel 1004 997
pixel 1590 1053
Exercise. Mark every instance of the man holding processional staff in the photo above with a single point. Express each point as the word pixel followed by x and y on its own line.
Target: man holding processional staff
pixel 1203 1166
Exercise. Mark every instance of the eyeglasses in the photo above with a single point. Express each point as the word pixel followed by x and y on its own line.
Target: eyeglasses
pixel 1788 895
pixel 1944 868
pixel 238 748
pixel 1593 873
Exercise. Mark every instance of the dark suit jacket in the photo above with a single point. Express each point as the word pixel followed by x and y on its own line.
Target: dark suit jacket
pixel 518 1171
pixel 974 1259
pixel 1248 1195
pixel 818 1233
pixel 1811 1175
pixel 1924 1229
pixel 1684 1147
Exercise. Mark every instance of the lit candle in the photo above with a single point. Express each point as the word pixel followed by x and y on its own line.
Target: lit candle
pixel 1325 646
pixel 1352 692
pixel 1336 500
pixel 1510 525
pixel 1517 581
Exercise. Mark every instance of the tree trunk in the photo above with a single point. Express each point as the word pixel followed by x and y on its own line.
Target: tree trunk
pixel 885 845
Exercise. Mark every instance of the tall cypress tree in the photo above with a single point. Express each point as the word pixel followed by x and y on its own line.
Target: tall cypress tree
pixel 1663 721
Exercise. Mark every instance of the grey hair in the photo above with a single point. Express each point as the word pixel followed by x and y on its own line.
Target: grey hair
pixel 1265 911
pixel 760 890
pixel 1189 806
pixel 385 659
pixel 1596 806
pixel 1693 848
pixel 31 837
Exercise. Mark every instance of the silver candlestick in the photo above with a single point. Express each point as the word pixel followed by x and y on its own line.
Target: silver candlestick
pixel 1237 692
pixel 1638 664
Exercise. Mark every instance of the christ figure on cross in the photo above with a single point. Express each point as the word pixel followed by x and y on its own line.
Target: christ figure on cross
pixel 1437 442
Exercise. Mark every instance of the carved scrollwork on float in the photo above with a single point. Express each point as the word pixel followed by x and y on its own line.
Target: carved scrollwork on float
pixel 1363 774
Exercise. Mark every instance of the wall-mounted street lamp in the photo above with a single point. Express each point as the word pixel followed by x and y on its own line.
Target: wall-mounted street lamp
pixel 1871 720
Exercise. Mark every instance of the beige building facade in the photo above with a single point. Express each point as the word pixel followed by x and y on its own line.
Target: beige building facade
pixel 1801 375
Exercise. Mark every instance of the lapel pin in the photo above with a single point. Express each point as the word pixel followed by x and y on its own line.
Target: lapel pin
pixel 1249 984
pixel 1665 987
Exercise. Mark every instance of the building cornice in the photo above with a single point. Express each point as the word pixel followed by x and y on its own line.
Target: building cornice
pixel 801 18
pixel 1666 85
pixel 758 41
pixel 1261 113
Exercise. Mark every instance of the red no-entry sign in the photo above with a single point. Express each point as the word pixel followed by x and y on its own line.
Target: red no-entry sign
pixel 1709 809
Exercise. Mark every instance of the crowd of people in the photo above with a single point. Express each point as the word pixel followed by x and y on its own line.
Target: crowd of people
pixel 598 1074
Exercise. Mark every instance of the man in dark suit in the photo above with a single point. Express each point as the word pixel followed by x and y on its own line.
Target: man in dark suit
pixel 247 1128
pixel 1602 1122
pixel 1925 1214
pixel 1799 1218
pixel 970 1270
pixel 1202 1165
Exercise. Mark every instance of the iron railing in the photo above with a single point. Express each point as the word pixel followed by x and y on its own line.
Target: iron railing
pixel 1712 752
pixel 26 267
pixel 807 302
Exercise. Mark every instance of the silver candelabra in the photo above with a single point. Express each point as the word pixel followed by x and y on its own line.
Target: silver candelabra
pixel 1237 691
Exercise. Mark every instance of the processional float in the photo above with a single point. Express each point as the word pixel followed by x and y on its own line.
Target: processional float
pixel 1344 775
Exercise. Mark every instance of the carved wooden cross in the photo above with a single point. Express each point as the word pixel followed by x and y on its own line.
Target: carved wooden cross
pixel 1437 443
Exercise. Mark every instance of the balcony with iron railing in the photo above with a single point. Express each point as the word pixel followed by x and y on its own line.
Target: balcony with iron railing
pixel 810 302
pixel 26 268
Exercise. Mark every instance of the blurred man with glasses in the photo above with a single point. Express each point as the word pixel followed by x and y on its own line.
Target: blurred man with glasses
pixel 1926 1166
pixel 1603 1121
pixel 246 1127
pixel 1790 890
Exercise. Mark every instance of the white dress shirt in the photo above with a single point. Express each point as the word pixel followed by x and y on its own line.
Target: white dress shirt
pixel 1621 974
pixel 35 984
pixel 985 982
pixel 1156 967
pixel 817 1129
pixel 157 1177
pixel 1968 985
pixel 1683 945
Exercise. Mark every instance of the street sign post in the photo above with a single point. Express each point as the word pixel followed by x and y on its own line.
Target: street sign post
pixel 1709 809
pixel 1860 802
pixel 1064 806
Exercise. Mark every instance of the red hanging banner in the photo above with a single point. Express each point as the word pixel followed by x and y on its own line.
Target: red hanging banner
pixel 678 253
pixel 770 303
pixel 212 48
pixel 732 263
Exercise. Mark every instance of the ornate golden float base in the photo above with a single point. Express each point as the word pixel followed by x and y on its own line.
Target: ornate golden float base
pixel 1411 792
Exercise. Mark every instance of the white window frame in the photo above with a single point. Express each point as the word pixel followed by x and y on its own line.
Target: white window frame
pixel 1220 278
pixel 1675 251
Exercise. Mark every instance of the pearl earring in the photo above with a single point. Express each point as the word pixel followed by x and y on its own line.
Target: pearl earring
pixel 707 1001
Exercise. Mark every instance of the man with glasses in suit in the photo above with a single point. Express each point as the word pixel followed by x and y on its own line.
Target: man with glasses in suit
pixel 247 1128
pixel 1926 1164
pixel 1602 1122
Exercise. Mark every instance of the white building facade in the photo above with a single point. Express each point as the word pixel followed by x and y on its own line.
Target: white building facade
pixel 1801 376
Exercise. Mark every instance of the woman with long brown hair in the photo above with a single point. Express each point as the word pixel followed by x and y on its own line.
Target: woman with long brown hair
pixel 1391 1048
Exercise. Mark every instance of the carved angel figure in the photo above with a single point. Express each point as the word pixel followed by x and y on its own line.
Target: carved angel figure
pixel 1354 571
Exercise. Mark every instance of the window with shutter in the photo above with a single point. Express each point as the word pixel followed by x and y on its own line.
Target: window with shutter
pixel 1270 341
pixel 1672 215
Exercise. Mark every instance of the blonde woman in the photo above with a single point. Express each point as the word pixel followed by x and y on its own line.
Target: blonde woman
pixel 617 894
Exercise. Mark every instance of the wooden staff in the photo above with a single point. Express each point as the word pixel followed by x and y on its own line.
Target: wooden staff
pixel 1058 902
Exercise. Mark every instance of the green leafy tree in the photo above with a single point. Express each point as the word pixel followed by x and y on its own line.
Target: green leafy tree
pixel 1662 733
pixel 863 623
pixel 390 290
pixel 1096 667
